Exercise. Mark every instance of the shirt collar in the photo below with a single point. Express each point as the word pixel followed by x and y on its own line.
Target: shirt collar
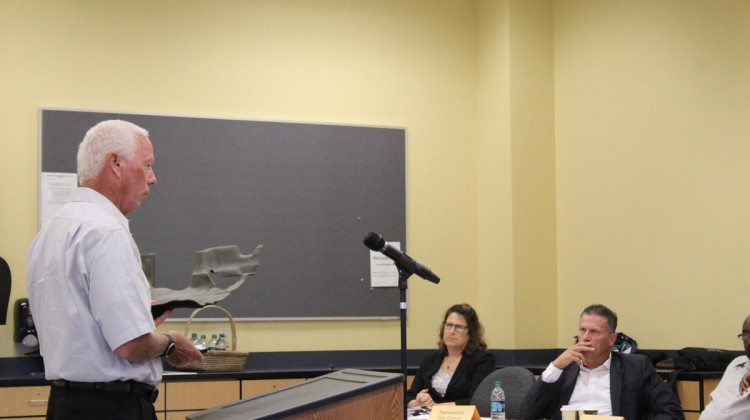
pixel 604 367
pixel 92 196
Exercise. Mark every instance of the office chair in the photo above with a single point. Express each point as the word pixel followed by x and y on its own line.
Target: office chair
pixel 516 383
pixel 4 290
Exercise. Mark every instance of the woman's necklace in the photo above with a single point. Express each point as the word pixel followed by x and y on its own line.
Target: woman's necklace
pixel 447 365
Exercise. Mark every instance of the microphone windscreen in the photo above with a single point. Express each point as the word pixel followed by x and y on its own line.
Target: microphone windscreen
pixel 374 241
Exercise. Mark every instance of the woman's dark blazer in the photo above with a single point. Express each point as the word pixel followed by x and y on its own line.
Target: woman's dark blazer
pixel 470 371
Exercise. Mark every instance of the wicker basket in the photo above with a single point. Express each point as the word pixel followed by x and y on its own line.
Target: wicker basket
pixel 217 360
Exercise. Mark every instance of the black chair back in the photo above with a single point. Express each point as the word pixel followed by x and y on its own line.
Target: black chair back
pixel 4 290
pixel 516 383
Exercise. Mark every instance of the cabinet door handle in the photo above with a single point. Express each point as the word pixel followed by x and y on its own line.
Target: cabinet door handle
pixel 38 401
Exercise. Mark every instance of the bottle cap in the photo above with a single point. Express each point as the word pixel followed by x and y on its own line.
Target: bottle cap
pixel 498 383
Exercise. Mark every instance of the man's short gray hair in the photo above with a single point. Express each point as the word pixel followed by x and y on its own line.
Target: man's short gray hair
pixel 601 310
pixel 102 139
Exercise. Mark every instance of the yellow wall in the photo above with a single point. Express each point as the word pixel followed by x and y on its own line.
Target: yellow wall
pixel 533 171
pixel 653 186
pixel 494 205
pixel 559 152
pixel 516 161
pixel 395 63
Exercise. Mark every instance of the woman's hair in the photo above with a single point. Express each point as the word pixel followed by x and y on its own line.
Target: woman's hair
pixel 475 331
pixel 102 139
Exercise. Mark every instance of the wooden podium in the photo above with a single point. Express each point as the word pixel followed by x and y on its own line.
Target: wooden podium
pixel 344 394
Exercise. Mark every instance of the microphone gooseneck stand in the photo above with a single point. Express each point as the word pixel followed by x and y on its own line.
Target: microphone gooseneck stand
pixel 406 267
pixel 403 275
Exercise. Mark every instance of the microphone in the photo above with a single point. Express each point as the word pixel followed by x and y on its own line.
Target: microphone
pixel 376 243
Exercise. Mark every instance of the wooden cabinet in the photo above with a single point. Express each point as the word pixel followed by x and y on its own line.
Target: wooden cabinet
pixel 23 401
pixel 176 399
pixel 184 398
pixel 199 395
pixel 690 396
pixel 694 395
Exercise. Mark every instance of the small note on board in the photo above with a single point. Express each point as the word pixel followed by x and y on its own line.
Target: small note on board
pixel 454 412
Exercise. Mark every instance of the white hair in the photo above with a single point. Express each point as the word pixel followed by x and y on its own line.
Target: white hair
pixel 112 136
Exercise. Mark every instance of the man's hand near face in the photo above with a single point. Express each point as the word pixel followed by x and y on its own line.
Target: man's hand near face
pixel 575 353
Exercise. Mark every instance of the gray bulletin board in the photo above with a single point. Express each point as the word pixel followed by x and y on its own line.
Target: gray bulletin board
pixel 308 192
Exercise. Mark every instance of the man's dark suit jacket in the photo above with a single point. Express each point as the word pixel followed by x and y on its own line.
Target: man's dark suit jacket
pixel 637 392
pixel 466 378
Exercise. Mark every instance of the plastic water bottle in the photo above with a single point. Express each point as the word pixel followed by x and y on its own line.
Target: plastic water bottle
pixel 204 341
pixel 497 402
pixel 226 332
pixel 212 344
pixel 194 340
pixel 221 343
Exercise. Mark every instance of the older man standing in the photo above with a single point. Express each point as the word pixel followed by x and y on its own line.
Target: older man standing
pixel 90 298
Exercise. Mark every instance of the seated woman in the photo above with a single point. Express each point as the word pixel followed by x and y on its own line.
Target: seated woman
pixel 452 373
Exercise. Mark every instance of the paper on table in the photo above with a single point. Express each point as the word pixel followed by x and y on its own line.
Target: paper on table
pixel 418 413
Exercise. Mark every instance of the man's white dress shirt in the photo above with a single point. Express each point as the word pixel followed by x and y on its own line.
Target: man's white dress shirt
pixel 592 387
pixel 88 294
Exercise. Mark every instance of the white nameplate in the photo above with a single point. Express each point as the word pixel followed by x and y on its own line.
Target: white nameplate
pixel 454 412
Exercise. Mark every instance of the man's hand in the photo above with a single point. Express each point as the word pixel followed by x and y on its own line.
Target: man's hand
pixel 185 351
pixel 745 384
pixel 163 317
pixel 575 353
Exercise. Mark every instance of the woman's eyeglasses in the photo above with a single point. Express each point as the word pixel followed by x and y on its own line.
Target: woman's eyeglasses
pixel 459 328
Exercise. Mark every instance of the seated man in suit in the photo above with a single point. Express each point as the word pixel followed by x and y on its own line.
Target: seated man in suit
pixel 731 398
pixel 591 376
